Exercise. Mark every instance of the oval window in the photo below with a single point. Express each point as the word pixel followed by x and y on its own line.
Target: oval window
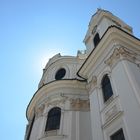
pixel 60 74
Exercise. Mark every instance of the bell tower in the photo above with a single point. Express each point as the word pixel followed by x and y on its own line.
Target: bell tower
pixel 99 24
pixel 112 70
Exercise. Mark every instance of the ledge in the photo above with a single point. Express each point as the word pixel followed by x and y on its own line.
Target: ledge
pixel 112 33
pixel 56 86
pixel 119 114
pixel 56 137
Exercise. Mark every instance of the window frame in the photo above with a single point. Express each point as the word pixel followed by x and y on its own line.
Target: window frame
pixel 106 86
pixel 53 119
pixel 60 74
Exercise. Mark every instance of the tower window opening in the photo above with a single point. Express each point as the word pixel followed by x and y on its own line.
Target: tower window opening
pixel 53 120
pixel 96 39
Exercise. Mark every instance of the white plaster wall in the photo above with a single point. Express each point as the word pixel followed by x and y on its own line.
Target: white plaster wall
pixel 73 126
pixel 66 124
pixel 36 129
pixel 97 133
pixel 103 25
pixel 80 126
pixel 89 45
pixel 133 72
pixel 128 99
pixel 85 126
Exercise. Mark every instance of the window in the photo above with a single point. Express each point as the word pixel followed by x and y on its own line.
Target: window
pixel 60 74
pixel 106 88
pixel 96 39
pixel 118 135
pixel 53 121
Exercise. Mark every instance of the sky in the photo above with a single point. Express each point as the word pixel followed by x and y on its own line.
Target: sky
pixel 31 32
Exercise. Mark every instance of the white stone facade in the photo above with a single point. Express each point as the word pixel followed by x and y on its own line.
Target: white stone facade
pixel 78 92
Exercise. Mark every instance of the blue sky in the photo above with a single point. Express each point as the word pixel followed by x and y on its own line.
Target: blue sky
pixel 31 31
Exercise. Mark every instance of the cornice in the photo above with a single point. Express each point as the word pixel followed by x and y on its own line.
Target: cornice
pixel 58 59
pixel 55 87
pixel 114 36
pixel 121 53
pixel 61 60
pixel 92 84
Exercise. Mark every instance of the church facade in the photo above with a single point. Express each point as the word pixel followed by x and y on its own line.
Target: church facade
pixel 94 95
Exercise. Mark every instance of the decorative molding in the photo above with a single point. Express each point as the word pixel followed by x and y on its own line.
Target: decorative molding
pixel 94 80
pixel 39 110
pixel 118 115
pixel 92 84
pixel 59 100
pixel 119 54
pixel 78 104
pixel 52 135
pixel 111 112
pixel 127 54
pixel 53 88
pixel 56 102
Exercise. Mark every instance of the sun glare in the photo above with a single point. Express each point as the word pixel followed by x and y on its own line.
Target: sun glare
pixel 44 56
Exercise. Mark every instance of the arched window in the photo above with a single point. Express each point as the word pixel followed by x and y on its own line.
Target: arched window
pixel 106 88
pixel 53 121
pixel 96 39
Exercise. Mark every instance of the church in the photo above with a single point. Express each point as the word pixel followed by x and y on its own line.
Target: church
pixel 94 95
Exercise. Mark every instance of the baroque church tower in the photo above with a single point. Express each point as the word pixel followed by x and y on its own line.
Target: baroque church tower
pixel 94 95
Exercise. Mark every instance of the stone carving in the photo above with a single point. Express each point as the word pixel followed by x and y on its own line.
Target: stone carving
pixel 74 101
pixel 118 54
pixel 94 80
pixel 113 58
pixel 78 104
pixel 55 102
pixel 92 83
pixel 127 54
pixel 39 110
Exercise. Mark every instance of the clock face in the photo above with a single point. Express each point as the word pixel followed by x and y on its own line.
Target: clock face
pixel 60 74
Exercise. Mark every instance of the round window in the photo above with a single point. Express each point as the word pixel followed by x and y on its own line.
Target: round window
pixel 60 74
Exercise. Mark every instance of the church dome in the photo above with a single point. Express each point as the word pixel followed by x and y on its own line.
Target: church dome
pixel 61 67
